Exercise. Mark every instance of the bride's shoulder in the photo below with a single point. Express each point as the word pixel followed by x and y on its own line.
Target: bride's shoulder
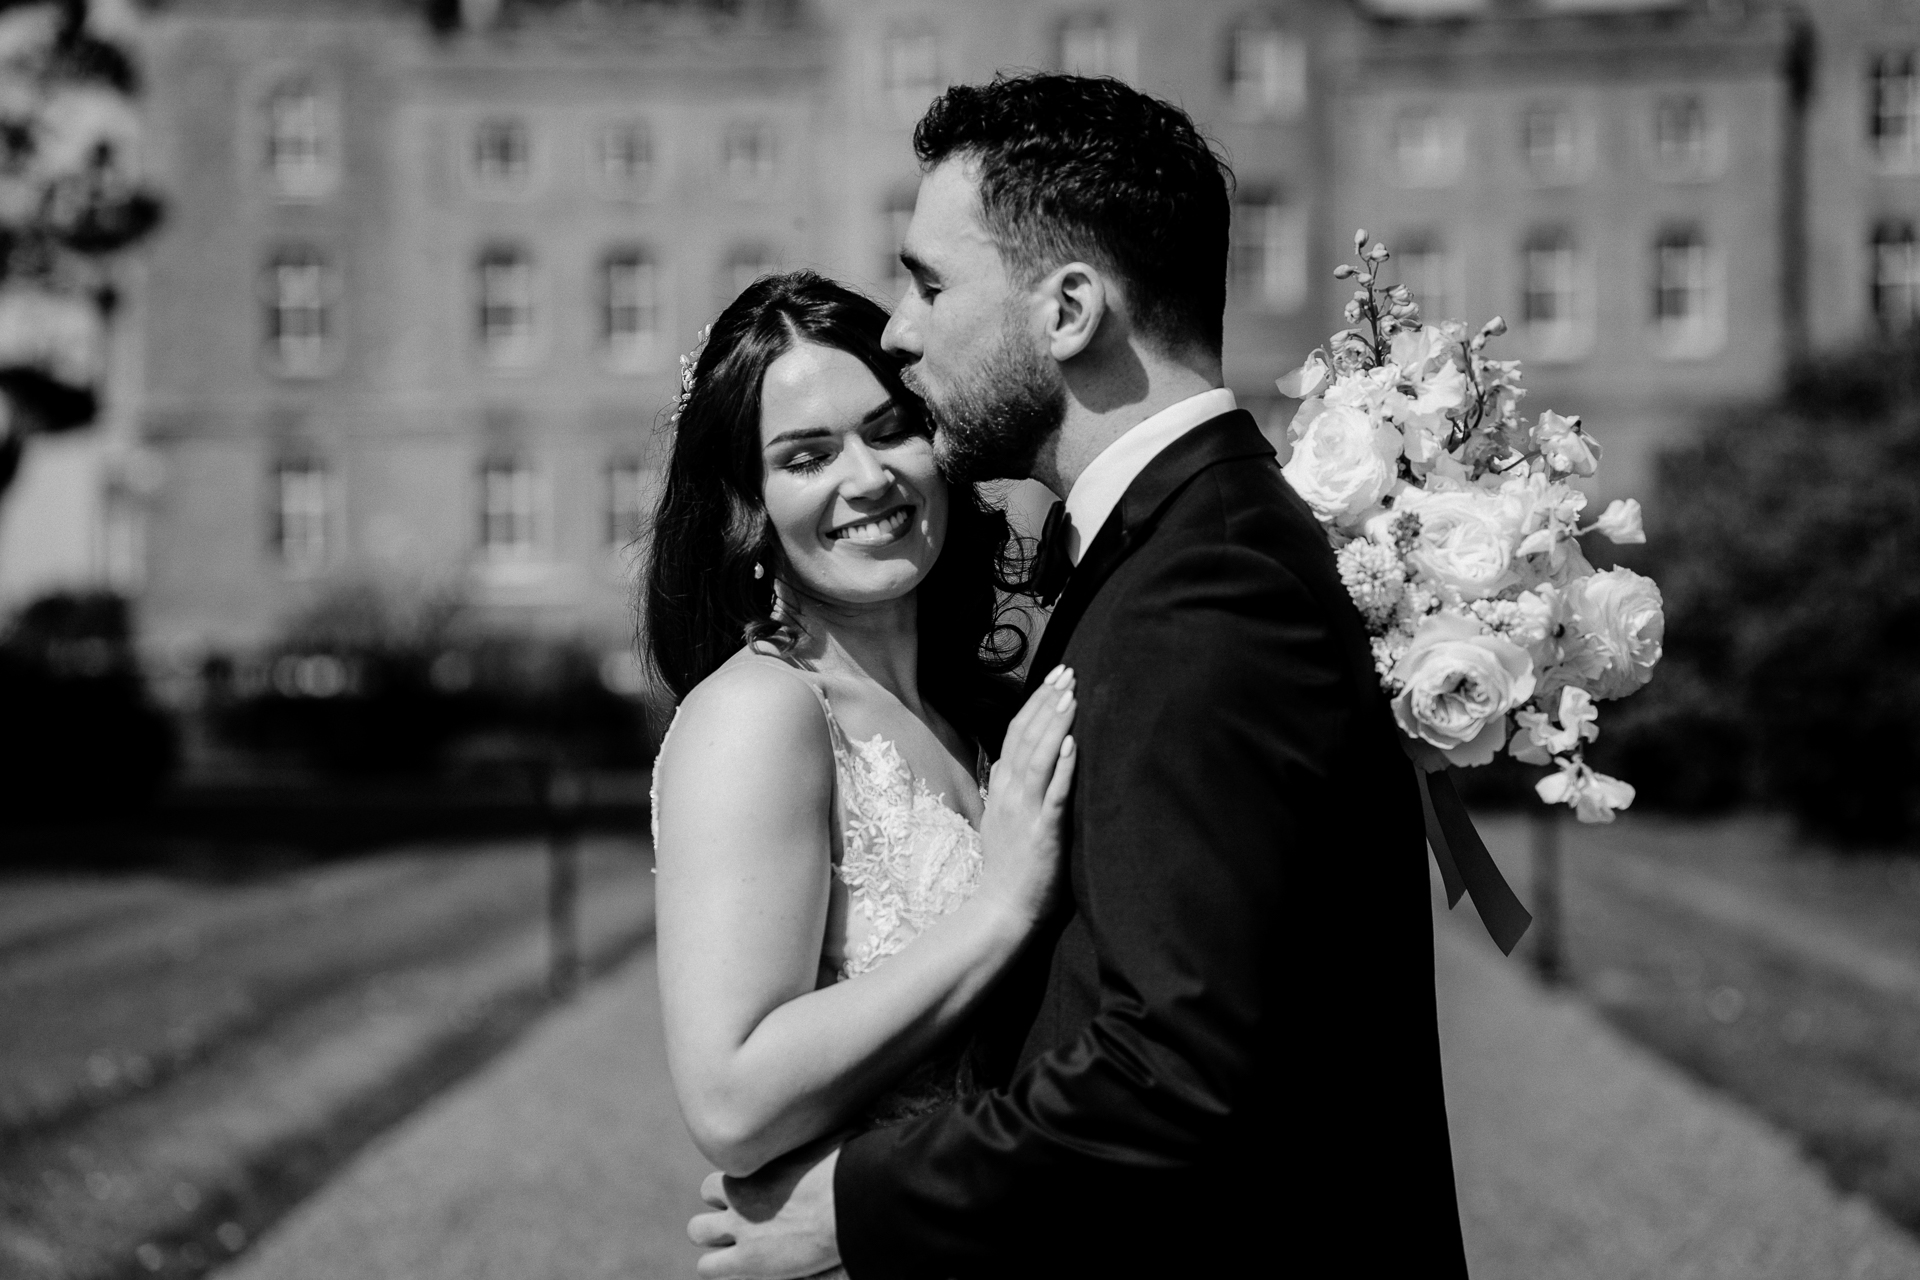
pixel 752 709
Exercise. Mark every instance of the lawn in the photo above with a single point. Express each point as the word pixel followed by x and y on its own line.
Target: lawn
pixel 186 1057
pixel 1785 974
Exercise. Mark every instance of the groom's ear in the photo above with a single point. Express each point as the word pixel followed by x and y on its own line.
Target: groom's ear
pixel 1077 299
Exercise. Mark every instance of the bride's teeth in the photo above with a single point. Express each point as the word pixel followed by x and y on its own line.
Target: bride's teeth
pixel 883 529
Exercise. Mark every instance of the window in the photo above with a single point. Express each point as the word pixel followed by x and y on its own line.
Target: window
pixel 744 266
pixel 1551 298
pixel 630 308
pixel 1426 268
pixel 1428 147
pixel 1679 277
pixel 1550 144
pixel 1680 135
pixel 301 495
pixel 1267 72
pixel 1090 46
pixel 910 69
pixel 623 156
pixel 1269 252
pixel 1686 296
pixel 302 141
pixel 898 214
pixel 748 156
pixel 507 508
pixel 502 155
pixel 505 311
pixel 299 289
pixel 627 502
pixel 1896 275
pixel 1894 125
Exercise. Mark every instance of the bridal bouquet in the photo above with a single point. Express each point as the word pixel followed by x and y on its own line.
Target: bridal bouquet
pixel 1456 527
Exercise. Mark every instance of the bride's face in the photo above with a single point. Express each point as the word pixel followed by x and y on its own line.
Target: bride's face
pixel 848 481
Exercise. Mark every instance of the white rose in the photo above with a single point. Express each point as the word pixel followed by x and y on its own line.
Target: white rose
pixel 1623 620
pixel 1467 540
pixel 1620 522
pixel 1343 463
pixel 1565 446
pixel 1457 685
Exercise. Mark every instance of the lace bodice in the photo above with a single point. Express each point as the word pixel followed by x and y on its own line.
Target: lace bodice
pixel 905 858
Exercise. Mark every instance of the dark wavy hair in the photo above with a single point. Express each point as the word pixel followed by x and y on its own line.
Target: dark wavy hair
pixel 702 600
pixel 1087 168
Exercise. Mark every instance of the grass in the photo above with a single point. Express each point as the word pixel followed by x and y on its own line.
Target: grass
pixel 1785 975
pixel 184 1058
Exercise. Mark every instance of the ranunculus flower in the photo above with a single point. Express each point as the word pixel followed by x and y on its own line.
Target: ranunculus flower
pixel 1565 446
pixel 1593 796
pixel 1539 739
pixel 1343 463
pixel 1620 522
pixel 1623 622
pixel 1457 686
pixel 1467 539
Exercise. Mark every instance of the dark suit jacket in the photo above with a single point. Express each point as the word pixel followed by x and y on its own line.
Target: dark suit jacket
pixel 1224 1048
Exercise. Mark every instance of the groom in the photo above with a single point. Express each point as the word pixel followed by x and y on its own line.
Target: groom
pixel 1221 1058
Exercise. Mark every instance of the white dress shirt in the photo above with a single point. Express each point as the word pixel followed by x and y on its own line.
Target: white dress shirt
pixel 1100 487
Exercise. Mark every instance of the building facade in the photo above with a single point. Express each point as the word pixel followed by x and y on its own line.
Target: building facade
pixel 429 264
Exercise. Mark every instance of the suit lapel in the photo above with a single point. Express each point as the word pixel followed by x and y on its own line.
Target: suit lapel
pixel 1229 436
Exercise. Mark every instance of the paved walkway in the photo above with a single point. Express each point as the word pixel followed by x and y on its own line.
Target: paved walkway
pixel 1580 1156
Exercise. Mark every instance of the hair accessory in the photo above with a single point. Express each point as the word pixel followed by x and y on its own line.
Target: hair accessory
pixel 688 362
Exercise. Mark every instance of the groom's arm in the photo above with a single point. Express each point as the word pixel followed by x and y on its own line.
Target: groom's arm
pixel 1225 709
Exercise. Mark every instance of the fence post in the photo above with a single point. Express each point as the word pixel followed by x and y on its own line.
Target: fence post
pixel 560 799
pixel 1549 947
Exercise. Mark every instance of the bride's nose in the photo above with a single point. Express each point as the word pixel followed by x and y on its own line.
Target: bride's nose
pixel 866 476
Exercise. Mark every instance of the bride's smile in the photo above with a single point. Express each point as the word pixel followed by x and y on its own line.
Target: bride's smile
pixel 848 479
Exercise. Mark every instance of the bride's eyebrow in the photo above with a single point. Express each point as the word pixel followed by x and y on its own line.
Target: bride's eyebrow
pixel 872 415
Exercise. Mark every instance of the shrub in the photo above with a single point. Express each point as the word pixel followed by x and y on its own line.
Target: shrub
pixel 82 737
pixel 1786 539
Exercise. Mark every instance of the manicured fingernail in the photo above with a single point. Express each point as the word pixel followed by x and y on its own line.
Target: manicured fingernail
pixel 1054 675
pixel 1066 745
pixel 1066 700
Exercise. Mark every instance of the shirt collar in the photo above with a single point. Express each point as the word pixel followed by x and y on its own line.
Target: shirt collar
pixel 1105 481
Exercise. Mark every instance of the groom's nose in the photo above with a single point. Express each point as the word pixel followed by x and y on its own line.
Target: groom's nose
pixel 900 337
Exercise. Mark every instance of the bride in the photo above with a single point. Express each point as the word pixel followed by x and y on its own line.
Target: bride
pixel 838 885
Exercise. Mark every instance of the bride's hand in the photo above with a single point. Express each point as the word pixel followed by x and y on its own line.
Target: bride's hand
pixel 1027 801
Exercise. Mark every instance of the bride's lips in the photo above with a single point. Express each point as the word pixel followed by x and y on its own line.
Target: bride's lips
pixel 874 530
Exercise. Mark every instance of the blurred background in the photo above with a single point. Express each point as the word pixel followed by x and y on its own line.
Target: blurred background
pixel 336 343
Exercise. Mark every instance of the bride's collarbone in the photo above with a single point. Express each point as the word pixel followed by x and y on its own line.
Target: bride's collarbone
pixel 935 753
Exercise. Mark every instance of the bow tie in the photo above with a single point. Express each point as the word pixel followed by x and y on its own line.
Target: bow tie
pixel 1053 563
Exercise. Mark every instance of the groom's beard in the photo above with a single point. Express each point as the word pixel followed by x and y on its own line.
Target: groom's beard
pixel 991 425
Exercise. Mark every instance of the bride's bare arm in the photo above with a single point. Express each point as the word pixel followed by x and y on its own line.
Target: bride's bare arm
pixel 762 1060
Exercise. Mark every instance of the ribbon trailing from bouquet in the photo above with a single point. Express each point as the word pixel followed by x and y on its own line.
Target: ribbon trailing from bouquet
pixel 1465 864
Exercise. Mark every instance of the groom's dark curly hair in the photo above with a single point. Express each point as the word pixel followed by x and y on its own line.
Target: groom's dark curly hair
pixel 1089 169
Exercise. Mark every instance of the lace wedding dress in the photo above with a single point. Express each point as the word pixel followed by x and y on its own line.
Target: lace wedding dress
pixel 904 858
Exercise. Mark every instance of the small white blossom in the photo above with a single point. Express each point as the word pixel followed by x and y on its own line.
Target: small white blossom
pixel 1374 577
pixel 1620 522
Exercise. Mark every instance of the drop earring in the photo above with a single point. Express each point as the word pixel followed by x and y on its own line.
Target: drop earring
pixel 759 571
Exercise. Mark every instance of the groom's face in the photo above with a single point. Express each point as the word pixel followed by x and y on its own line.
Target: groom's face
pixel 969 332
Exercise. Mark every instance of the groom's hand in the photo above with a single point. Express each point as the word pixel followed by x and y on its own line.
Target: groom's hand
pixel 775 1225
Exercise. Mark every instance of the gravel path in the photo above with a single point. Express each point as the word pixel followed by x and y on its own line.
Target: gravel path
pixel 1580 1156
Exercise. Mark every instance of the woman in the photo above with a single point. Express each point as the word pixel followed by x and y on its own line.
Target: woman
pixel 835 891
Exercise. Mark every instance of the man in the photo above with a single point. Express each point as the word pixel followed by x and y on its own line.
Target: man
pixel 1221 1058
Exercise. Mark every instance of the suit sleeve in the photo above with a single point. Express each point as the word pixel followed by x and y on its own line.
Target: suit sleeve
pixel 1223 698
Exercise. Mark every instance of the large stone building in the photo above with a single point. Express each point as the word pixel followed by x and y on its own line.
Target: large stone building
pixel 430 262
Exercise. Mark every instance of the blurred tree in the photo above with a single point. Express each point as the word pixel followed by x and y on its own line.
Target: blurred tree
pixel 70 198
pixel 1786 539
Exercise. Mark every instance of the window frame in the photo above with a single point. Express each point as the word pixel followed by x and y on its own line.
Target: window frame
pixel 304 350
pixel 1278 256
pixel 1902 154
pixel 318 177
pixel 522 511
pixel 510 349
pixel 1886 233
pixel 1286 102
pixel 643 348
pixel 312 479
pixel 513 180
